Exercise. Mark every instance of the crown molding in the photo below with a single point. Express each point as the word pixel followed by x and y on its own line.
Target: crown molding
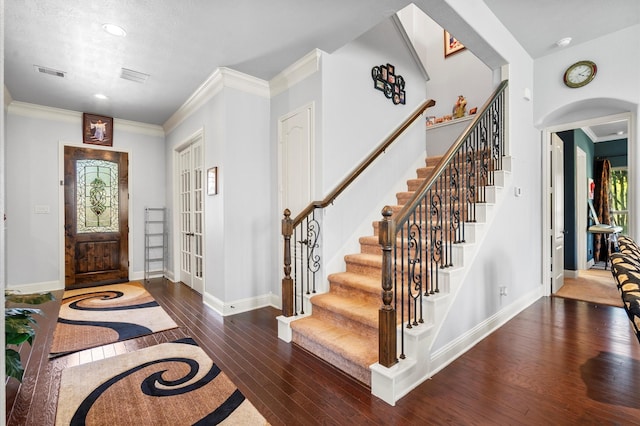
pixel 221 78
pixel 296 72
pixel 43 112
pixel 65 115
pixel 590 134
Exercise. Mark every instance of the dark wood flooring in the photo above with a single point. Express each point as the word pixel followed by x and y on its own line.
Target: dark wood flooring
pixel 558 362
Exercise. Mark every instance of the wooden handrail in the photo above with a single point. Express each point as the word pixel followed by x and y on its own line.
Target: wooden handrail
pixel 405 212
pixel 364 164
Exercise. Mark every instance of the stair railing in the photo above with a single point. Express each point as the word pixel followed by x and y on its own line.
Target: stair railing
pixel 418 241
pixel 304 230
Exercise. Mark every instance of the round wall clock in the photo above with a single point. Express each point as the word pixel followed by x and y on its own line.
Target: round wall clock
pixel 580 74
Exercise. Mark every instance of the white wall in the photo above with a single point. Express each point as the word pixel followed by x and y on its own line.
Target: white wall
pixel 617 78
pixel 459 74
pixel 239 267
pixel 503 259
pixel 356 119
pixel 306 91
pixel 615 89
pixel 33 170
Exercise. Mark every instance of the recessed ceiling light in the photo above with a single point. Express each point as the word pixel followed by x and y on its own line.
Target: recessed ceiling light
pixel 563 42
pixel 100 96
pixel 114 29
pixel 620 132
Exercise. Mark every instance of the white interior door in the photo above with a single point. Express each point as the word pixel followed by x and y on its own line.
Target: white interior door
pixel 296 147
pixel 581 208
pixel 190 211
pixel 557 213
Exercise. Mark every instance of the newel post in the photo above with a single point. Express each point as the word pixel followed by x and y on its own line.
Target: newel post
pixel 387 341
pixel 287 281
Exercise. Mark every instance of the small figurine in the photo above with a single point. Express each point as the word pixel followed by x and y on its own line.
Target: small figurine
pixel 460 108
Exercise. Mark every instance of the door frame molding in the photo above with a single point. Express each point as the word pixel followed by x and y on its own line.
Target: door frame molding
pixel 546 208
pixel 581 211
pixel 175 219
pixel 61 238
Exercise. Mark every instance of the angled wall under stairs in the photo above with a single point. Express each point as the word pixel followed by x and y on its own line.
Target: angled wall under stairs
pixel 342 328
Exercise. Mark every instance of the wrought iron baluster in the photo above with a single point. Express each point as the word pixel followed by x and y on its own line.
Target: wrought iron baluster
pixel 296 276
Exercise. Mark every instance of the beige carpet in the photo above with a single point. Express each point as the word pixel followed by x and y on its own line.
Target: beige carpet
pixel 593 285
pixel 168 384
pixel 96 316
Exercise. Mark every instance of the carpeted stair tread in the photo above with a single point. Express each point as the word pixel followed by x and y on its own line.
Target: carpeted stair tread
pixel 363 283
pixel 372 259
pixel 355 309
pixel 433 160
pixel 364 263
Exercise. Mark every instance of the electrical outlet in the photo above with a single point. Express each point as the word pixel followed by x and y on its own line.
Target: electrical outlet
pixel 503 291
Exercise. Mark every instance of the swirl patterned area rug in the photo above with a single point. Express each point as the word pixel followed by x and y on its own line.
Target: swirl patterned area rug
pixel 168 384
pixel 96 316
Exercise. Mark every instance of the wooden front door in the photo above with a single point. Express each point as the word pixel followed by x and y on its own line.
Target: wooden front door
pixel 96 206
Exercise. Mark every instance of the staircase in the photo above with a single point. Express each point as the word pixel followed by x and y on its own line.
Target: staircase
pixel 381 316
pixel 343 326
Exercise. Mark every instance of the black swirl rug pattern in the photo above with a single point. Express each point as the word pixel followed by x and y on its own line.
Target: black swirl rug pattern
pixel 96 316
pixel 168 384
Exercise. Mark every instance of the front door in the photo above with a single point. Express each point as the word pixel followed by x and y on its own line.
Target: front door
pixel 557 213
pixel 191 211
pixel 96 206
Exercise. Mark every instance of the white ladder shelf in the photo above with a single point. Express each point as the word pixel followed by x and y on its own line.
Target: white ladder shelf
pixel 155 242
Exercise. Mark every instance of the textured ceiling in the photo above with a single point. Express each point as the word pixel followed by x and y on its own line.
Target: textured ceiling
pixel 180 43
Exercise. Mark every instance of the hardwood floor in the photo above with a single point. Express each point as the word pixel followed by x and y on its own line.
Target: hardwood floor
pixel 558 362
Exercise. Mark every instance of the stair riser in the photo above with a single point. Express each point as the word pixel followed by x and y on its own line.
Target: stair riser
pixel 370 295
pixel 413 184
pixel 456 234
pixel 348 323
pixel 371 248
pixel 373 271
pixel 364 269
pixel 359 372
pixel 405 197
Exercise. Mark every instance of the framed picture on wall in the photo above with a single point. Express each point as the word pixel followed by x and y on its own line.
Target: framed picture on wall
pixel 212 181
pixel 451 44
pixel 97 129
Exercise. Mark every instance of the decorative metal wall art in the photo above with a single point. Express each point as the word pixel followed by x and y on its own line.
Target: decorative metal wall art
pixel 386 80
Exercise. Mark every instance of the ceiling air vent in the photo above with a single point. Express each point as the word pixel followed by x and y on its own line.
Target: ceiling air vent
pixel 137 76
pixel 49 71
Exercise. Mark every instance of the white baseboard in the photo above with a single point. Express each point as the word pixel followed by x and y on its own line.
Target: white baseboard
pixel 37 287
pixel 238 306
pixel 442 357
pixel 391 384
pixel 571 274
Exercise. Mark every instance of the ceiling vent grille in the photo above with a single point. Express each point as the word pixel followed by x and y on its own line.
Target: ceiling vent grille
pixel 137 76
pixel 49 71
